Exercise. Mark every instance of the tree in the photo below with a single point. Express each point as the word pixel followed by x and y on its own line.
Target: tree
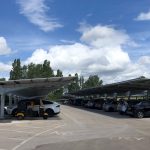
pixel 81 82
pixel 59 73
pixel 75 85
pixel 57 94
pixel 31 71
pixel 16 72
pixel 2 79
pixel 40 70
pixel 92 81
pixel 47 70
pixel 24 72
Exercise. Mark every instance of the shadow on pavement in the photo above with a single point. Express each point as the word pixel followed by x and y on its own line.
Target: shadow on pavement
pixel 102 112
pixel 11 119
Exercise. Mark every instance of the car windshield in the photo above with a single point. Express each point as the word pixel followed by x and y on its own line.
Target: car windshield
pixel 140 103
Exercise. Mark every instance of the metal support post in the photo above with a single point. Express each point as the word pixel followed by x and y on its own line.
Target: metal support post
pixel 10 100
pixel 2 106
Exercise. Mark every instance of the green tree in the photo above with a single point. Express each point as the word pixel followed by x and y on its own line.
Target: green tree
pixel 75 85
pixel 92 81
pixel 81 82
pixel 57 94
pixel 24 72
pixel 40 70
pixel 59 73
pixel 16 72
pixel 2 79
pixel 47 70
pixel 31 70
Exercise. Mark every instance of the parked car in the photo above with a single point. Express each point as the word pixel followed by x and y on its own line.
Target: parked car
pixel 110 105
pixel 99 103
pixel 140 110
pixel 90 104
pixel 84 102
pixel 52 108
pixel 77 101
pixel 122 106
pixel 65 102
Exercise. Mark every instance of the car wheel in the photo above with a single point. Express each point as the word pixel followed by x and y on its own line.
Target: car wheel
pixel 50 112
pixel 139 114
pixel 5 112
pixel 111 109
pixel 121 113
pixel 45 117
pixel 20 117
pixel 14 112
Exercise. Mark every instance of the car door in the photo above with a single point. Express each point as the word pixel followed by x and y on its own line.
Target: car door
pixel 36 105
pixel 146 106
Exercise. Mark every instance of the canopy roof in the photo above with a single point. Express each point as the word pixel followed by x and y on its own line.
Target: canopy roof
pixel 134 85
pixel 34 87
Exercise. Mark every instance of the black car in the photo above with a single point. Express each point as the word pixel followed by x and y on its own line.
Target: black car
pixel 140 110
pixel 99 103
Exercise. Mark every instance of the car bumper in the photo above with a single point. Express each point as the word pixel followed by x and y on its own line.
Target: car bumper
pixel 57 113
pixel 57 110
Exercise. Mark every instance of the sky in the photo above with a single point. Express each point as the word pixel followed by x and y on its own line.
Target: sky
pixel 91 37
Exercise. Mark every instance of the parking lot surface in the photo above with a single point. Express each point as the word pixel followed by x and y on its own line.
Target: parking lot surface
pixel 76 129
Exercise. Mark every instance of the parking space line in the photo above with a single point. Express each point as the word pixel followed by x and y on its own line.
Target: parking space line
pixel 12 138
pixel 35 127
pixel 15 131
pixel 36 135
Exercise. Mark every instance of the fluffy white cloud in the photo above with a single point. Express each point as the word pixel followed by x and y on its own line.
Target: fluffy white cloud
pixel 4 67
pixel 99 52
pixel 4 49
pixel 144 60
pixel 35 11
pixel 103 36
pixel 143 16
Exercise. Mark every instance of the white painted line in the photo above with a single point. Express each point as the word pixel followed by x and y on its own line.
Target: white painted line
pixel 16 139
pixel 139 138
pixel 35 127
pixel 19 139
pixel 30 127
pixel 36 135
pixel 15 131
pixel 55 132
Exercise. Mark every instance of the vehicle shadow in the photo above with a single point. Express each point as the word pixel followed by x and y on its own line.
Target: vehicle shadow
pixel 102 112
pixel 9 119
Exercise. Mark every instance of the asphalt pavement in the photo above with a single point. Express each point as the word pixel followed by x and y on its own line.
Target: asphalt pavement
pixel 76 129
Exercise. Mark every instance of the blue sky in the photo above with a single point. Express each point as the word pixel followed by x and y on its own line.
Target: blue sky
pixel 49 29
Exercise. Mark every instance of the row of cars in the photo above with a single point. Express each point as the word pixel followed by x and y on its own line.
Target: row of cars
pixel 138 108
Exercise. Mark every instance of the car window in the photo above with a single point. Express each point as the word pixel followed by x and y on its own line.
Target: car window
pixel 36 102
pixel 146 103
pixel 47 102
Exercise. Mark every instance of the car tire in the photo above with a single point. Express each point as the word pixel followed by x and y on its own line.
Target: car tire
pixel 139 114
pixel 20 117
pixel 45 117
pixel 111 109
pixel 14 112
pixel 121 113
pixel 50 112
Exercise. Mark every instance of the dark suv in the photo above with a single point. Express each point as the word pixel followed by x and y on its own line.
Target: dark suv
pixel 140 110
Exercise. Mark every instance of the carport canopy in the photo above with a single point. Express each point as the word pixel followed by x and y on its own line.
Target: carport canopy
pixel 31 87
pixel 135 85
